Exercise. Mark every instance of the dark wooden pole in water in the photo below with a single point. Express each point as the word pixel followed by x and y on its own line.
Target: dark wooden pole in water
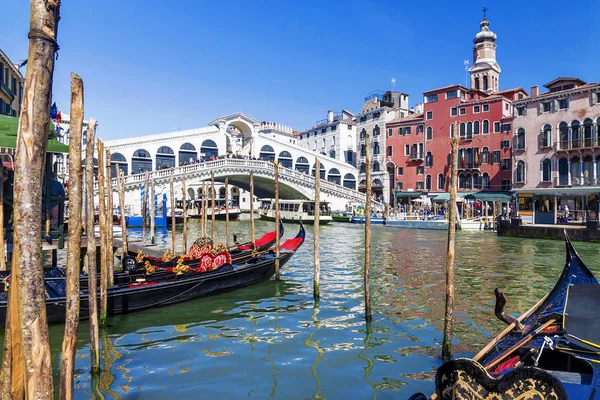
pixel 204 203
pixel 121 189
pixel 103 236
pixel 144 208
pixel 27 360
pixel 152 211
pixel 173 219
pixel 73 242
pixel 91 246
pixel 317 260
pixel 448 316
pixel 110 257
pixel 184 203
pixel 277 220
pixel 227 212
pixel 212 205
pixel 252 208
pixel 201 209
pixel 368 191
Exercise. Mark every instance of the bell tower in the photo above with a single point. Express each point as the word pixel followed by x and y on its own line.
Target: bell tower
pixel 485 72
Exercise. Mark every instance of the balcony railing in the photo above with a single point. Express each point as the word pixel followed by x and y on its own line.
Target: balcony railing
pixel 468 165
pixel 576 181
pixel 574 144
pixel 466 138
pixel 416 155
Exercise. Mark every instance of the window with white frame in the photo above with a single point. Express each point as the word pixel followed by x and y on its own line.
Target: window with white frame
pixel 390 132
pixel 486 107
pixel 453 112
pixel 441 182
pixel 486 127
pixel 429 133
pixel 400 171
pixel 546 170
pixel 476 109
pixel 520 139
pixel 406 149
pixel 520 173
pixel 496 127
pixel 429 115
pixel 463 111
pixel 486 181
pixel 546 136
pixel 428 182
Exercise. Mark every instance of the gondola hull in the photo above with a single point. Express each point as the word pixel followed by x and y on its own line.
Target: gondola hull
pixel 126 298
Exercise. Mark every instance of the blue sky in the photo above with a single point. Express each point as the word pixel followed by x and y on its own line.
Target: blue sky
pixel 154 66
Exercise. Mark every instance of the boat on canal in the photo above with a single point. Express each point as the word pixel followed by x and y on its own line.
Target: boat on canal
pixel 220 210
pixel 552 351
pixel 138 288
pixel 403 220
pixel 294 211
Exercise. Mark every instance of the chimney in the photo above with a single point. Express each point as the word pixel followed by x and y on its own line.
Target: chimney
pixel 330 116
pixel 535 91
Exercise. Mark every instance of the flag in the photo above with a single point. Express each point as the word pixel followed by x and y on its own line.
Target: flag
pixel 59 117
pixel 53 111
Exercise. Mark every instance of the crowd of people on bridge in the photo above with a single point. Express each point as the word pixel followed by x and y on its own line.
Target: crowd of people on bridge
pixel 200 160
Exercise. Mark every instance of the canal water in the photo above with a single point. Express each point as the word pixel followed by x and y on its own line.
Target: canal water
pixel 270 341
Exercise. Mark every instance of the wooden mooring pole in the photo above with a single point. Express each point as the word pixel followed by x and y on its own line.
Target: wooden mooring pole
pixel 103 235
pixel 69 343
pixel 121 189
pixel 252 209
pixel 144 208
pixel 110 257
pixel 277 220
pixel 91 247
pixel 184 203
pixel 368 191
pixel 173 219
pixel 212 206
pixel 204 209
pixel 452 215
pixel 317 260
pixel 227 212
pixel 152 211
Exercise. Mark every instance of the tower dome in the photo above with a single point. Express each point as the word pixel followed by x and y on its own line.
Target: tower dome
pixel 484 34
pixel 485 71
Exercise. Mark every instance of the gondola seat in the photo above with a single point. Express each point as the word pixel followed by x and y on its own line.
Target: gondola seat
pixel 467 379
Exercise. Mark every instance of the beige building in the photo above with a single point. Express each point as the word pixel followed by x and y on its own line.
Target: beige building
pixel 11 87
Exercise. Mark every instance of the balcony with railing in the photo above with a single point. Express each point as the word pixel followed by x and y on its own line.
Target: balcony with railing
pixel 577 144
pixel 467 137
pixel 417 156
pixel 337 116
pixel 465 166
pixel 575 181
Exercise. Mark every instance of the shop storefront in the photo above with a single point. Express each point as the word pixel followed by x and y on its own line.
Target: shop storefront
pixel 558 206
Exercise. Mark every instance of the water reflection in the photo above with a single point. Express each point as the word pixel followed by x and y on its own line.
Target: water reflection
pixel 273 343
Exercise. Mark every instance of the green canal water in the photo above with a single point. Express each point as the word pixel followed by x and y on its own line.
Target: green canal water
pixel 270 341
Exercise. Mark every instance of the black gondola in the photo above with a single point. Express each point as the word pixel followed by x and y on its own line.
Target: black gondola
pixel 552 351
pixel 137 291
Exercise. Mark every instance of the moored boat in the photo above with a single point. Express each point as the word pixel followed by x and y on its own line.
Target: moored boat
pixel 294 211
pixel 417 222
pixel 552 351
pixel 361 219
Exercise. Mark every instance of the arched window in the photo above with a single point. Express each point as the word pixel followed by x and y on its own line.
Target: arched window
pixel 441 182
pixel 222 193
pixel 141 161
pixel 469 129
pixel 302 165
pixel 576 172
pixel 377 183
pixel 563 132
pixel 476 181
pixel 429 159
pixel 376 148
pixel 461 181
pixel 209 149
pixel 476 127
pixel 428 182
pixel 588 132
pixel 520 176
pixel 363 133
pixel 267 153
pixel 468 181
pixel 376 167
pixel 547 170
pixel 321 169
pixel 519 139
pixel 350 181
pixel 485 82
pixel 429 133
pixel 334 176
pixel 485 155
pixel 285 159
pixel 486 126
pixel 165 158
pixel 187 153
pixel 120 160
pixel 477 87
pixel 563 172
pixel 587 170
pixel 546 139
pixel 575 135
pixel 486 181
pixel 462 129
pixel 376 131
pixel 363 150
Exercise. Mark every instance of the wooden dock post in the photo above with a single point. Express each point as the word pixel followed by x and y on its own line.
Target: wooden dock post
pixel 317 213
pixel 152 211
pixel 103 236
pixel 91 247
pixel 448 316
pixel 173 219
pixel 27 359
pixel 144 208
pixel 212 205
pixel 69 343
pixel 368 191
pixel 252 209
pixel 227 212
pixel 185 248
pixel 204 202
pixel 202 210
pixel 121 189
pixel 109 203
pixel 277 219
